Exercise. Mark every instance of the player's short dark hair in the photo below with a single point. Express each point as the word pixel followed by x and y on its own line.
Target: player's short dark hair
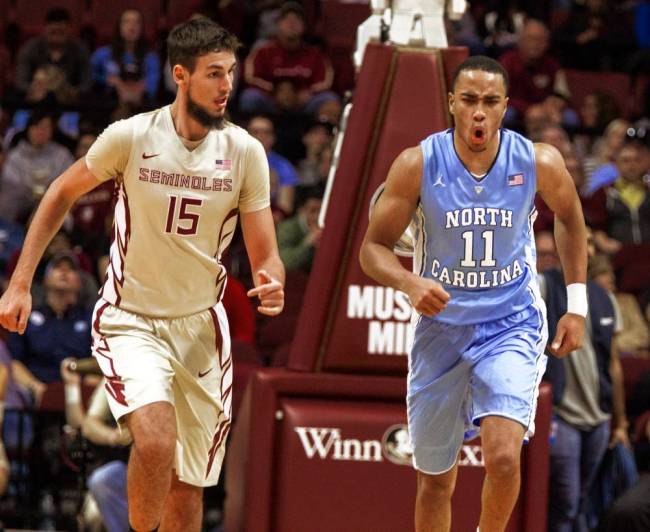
pixel 484 63
pixel 196 37
pixel 57 14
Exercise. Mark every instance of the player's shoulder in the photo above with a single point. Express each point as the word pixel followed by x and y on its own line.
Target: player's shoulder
pixel 509 134
pixel 138 122
pixel 235 134
pixel 150 118
pixel 439 135
pixel 546 155
pixel 239 139
pixel 410 161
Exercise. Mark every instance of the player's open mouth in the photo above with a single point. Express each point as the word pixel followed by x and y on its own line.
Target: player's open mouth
pixel 478 135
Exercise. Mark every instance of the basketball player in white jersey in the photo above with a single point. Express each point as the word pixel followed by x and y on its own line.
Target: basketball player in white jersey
pixel 183 177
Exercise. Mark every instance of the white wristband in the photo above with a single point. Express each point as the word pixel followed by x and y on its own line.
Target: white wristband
pixel 576 295
pixel 72 394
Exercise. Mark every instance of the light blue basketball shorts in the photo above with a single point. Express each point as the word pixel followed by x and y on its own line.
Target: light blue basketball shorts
pixel 459 374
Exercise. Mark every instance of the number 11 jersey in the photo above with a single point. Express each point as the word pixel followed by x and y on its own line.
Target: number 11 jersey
pixel 176 210
pixel 475 235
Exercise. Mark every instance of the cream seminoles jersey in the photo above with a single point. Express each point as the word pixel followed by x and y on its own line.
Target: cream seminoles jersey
pixel 176 210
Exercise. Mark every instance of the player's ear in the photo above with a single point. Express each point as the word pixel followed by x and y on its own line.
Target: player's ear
pixel 180 74
pixel 505 109
pixel 450 101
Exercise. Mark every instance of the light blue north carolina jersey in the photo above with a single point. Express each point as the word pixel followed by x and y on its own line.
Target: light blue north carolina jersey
pixel 475 236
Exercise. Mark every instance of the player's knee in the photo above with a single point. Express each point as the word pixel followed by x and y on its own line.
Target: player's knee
pixel 435 487
pixel 157 447
pixel 502 463
pixel 142 523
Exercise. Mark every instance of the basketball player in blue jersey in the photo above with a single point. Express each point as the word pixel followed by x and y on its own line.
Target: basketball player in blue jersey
pixel 480 333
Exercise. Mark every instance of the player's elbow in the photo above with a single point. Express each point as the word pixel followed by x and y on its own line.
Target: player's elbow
pixel 364 256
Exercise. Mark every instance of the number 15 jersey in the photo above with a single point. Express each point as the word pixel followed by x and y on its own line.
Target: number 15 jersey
pixel 176 210
pixel 476 235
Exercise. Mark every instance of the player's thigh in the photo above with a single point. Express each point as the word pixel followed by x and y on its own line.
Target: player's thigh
pixel 134 360
pixel 437 392
pixel 508 369
pixel 202 389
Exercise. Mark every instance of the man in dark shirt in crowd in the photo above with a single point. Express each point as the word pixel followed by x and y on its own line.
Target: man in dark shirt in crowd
pixel 56 330
pixel 55 47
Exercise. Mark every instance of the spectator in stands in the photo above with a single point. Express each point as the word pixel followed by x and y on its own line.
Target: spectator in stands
pixel 11 240
pixel 330 111
pixel 634 336
pixel 304 68
pixel 631 511
pixel 502 26
pixel 463 32
pixel 534 76
pixel 627 203
pixel 56 330
pixel 299 236
pixel 597 111
pixel 49 87
pixel 57 48
pixel 599 164
pixel 262 128
pixel 30 167
pixel 61 244
pixel 547 258
pixel 4 462
pixel 594 37
pixel 587 394
pixel 127 69
pixel 107 483
pixel 317 140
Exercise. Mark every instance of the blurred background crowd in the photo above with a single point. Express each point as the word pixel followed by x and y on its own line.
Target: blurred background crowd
pixel 579 80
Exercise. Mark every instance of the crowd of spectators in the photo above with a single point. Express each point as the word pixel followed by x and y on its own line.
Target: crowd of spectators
pixel 61 87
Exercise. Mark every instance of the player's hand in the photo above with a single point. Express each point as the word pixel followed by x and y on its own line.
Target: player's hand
pixel 15 307
pixel 427 296
pixel 569 335
pixel 270 293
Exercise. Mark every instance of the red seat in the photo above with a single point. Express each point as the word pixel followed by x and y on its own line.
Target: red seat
pixel 180 10
pixel 339 22
pixel 615 84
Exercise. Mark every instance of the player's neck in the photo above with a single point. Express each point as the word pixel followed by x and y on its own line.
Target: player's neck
pixel 185 125
pixel 477 162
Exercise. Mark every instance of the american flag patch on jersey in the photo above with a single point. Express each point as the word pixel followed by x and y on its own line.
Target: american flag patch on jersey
pixel 515 180
pixel 224 164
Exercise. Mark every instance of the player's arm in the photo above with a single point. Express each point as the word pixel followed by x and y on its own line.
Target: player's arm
pixel 15 304
pixel 259 232
pixel 268 271
pixel 620 425
pixel 557 189
pixel 390 218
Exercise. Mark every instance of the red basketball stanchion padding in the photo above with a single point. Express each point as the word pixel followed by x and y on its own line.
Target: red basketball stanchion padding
pixel 323 452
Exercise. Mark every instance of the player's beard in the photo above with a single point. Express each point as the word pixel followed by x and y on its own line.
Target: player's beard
pixel 202 115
